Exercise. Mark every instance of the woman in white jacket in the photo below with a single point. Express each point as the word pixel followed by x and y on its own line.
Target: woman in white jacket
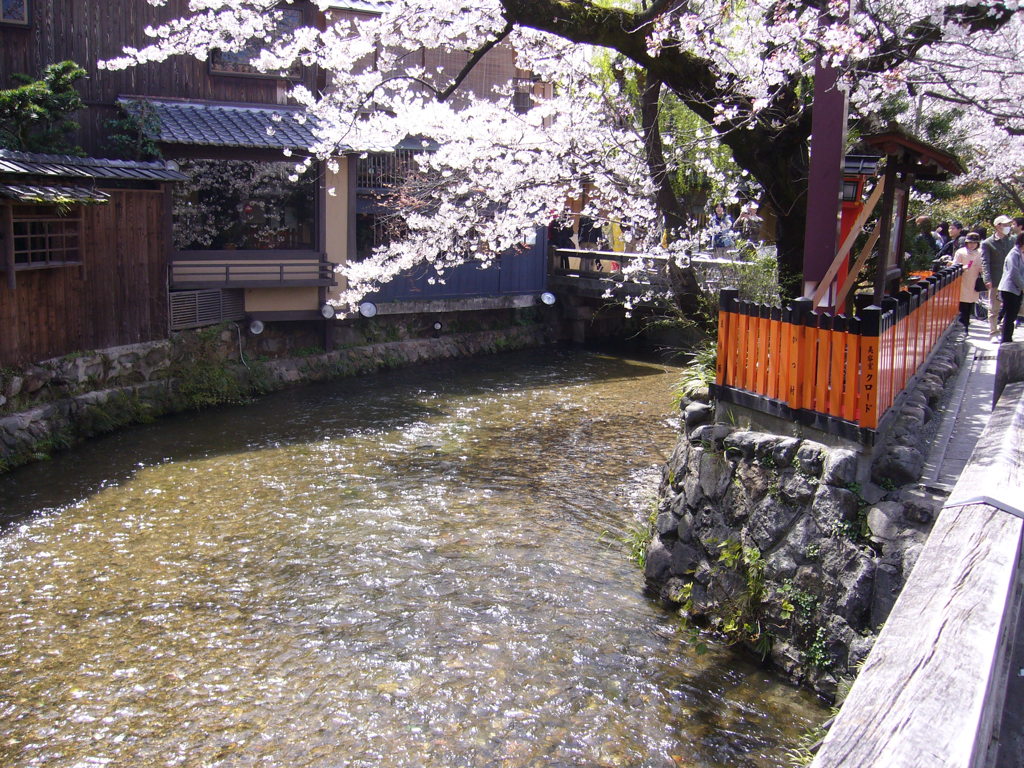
pixel 1011 287
pixel 970 258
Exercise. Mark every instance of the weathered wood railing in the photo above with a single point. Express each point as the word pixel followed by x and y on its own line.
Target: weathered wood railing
pixel 608 265
pixel 837 373
pixel 931 691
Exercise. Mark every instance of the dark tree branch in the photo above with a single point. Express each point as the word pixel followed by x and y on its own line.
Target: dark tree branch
pixel 474 60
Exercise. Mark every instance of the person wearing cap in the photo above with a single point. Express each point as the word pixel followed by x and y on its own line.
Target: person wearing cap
pixel 969 257
pixel 1011 287
pixel 994 250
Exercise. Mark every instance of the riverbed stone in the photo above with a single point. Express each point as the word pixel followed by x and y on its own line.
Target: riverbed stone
pixel 715 474
pixel 658 564
pixel 796 488
pixel 785 450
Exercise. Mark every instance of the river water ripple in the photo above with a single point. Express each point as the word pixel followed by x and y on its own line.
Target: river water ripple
pixel 413 569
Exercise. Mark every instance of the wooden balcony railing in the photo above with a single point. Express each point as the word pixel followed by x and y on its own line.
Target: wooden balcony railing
pixel 249 269
pixel 836 373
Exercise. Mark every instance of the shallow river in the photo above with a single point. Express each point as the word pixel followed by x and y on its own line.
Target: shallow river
pixel 414 569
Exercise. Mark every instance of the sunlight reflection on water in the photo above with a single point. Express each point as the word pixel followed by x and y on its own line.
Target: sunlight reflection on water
pixel 418 569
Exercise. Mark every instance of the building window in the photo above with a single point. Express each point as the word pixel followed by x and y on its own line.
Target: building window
pixel 244 205
pixel 44 236
pixel 14 12
pixel 240 62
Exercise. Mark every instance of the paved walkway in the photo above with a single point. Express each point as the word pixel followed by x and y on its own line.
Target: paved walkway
pixel 966 413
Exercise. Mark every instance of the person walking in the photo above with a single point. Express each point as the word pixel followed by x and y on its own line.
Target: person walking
pixel 722 236
pixel 994 250
pixel 1011 287
pixel 969 257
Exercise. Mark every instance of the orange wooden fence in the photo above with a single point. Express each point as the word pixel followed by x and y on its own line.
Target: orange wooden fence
pixel 838 373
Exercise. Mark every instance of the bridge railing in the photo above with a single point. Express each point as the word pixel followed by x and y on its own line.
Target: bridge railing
pixel 932 689
pixel 608 265
pixel 837 373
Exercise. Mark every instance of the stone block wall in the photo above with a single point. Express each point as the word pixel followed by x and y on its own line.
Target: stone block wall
pixel 54 404
pixel 792 548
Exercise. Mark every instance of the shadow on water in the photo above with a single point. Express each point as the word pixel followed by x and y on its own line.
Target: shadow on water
pixel 382 403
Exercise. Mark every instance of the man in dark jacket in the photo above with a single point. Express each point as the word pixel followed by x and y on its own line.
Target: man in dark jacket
pixel 993 254
pixel 957 236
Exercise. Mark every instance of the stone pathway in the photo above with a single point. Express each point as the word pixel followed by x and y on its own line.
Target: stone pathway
pixel 966 414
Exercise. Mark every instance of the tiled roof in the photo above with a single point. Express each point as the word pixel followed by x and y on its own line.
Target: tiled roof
pixel 367 6
pixel 225 125
pixel 68 166
pixel 29 193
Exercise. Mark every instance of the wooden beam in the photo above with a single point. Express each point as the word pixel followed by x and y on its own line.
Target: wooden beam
pixel 851 237
pixel 858 265
pixel 7 243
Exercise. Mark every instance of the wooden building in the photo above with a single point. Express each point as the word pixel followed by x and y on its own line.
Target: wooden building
pixel 83 246
pixel 243 238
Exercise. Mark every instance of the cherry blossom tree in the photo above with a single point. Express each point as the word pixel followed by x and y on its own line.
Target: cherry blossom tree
pixel 745 69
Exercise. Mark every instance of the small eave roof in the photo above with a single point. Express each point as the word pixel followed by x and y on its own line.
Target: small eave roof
pixel 31 193
pixel 71 167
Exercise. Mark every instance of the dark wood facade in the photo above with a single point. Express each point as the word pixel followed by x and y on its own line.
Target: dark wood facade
pixel 116 296
pixel 88 32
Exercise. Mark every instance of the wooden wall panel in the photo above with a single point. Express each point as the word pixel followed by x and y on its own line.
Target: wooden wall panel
pixel 88 32
pixel 117 296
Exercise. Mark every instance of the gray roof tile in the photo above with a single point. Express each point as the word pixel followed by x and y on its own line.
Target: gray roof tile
pixel 30 193
pixel 69 166
pixel 226 125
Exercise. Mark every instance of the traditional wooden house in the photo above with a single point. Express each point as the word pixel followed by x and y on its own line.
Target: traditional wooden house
pixel 243 236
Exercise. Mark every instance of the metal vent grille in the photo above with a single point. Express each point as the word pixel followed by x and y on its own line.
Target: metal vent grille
pixel 194 309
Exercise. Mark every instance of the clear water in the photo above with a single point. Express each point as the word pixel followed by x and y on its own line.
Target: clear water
pixel 413 569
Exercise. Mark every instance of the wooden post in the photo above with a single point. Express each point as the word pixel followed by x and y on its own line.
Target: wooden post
pixel 796 376
pixel 823 376
pixel 890 314
pixel 763 349
pixel 870 331
pixel 885 224
pixel 7 243
pixel 752 311
pixel 726 306
pixel 837 366
pixel 775 367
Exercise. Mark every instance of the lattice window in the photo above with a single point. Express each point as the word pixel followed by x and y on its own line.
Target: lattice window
pixel 43 237
pixel 14 12
pixel 385 170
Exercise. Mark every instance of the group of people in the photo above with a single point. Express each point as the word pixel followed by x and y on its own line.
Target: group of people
pixel 993 264
pixel 725 230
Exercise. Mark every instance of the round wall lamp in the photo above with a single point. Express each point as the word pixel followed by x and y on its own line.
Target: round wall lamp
pixel 327 310
pixel 256 327
pixel 437 325
pixel 547 298
pixel 368 309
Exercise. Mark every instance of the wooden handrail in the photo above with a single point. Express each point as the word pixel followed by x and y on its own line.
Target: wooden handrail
pixel 931 690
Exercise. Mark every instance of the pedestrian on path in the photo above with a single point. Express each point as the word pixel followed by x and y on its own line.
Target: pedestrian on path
pixel 993 254
pixel 969 257
pixel 1011 287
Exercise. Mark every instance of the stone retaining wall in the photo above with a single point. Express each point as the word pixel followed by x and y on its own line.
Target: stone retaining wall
pixel 57 403
pixel 793 548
